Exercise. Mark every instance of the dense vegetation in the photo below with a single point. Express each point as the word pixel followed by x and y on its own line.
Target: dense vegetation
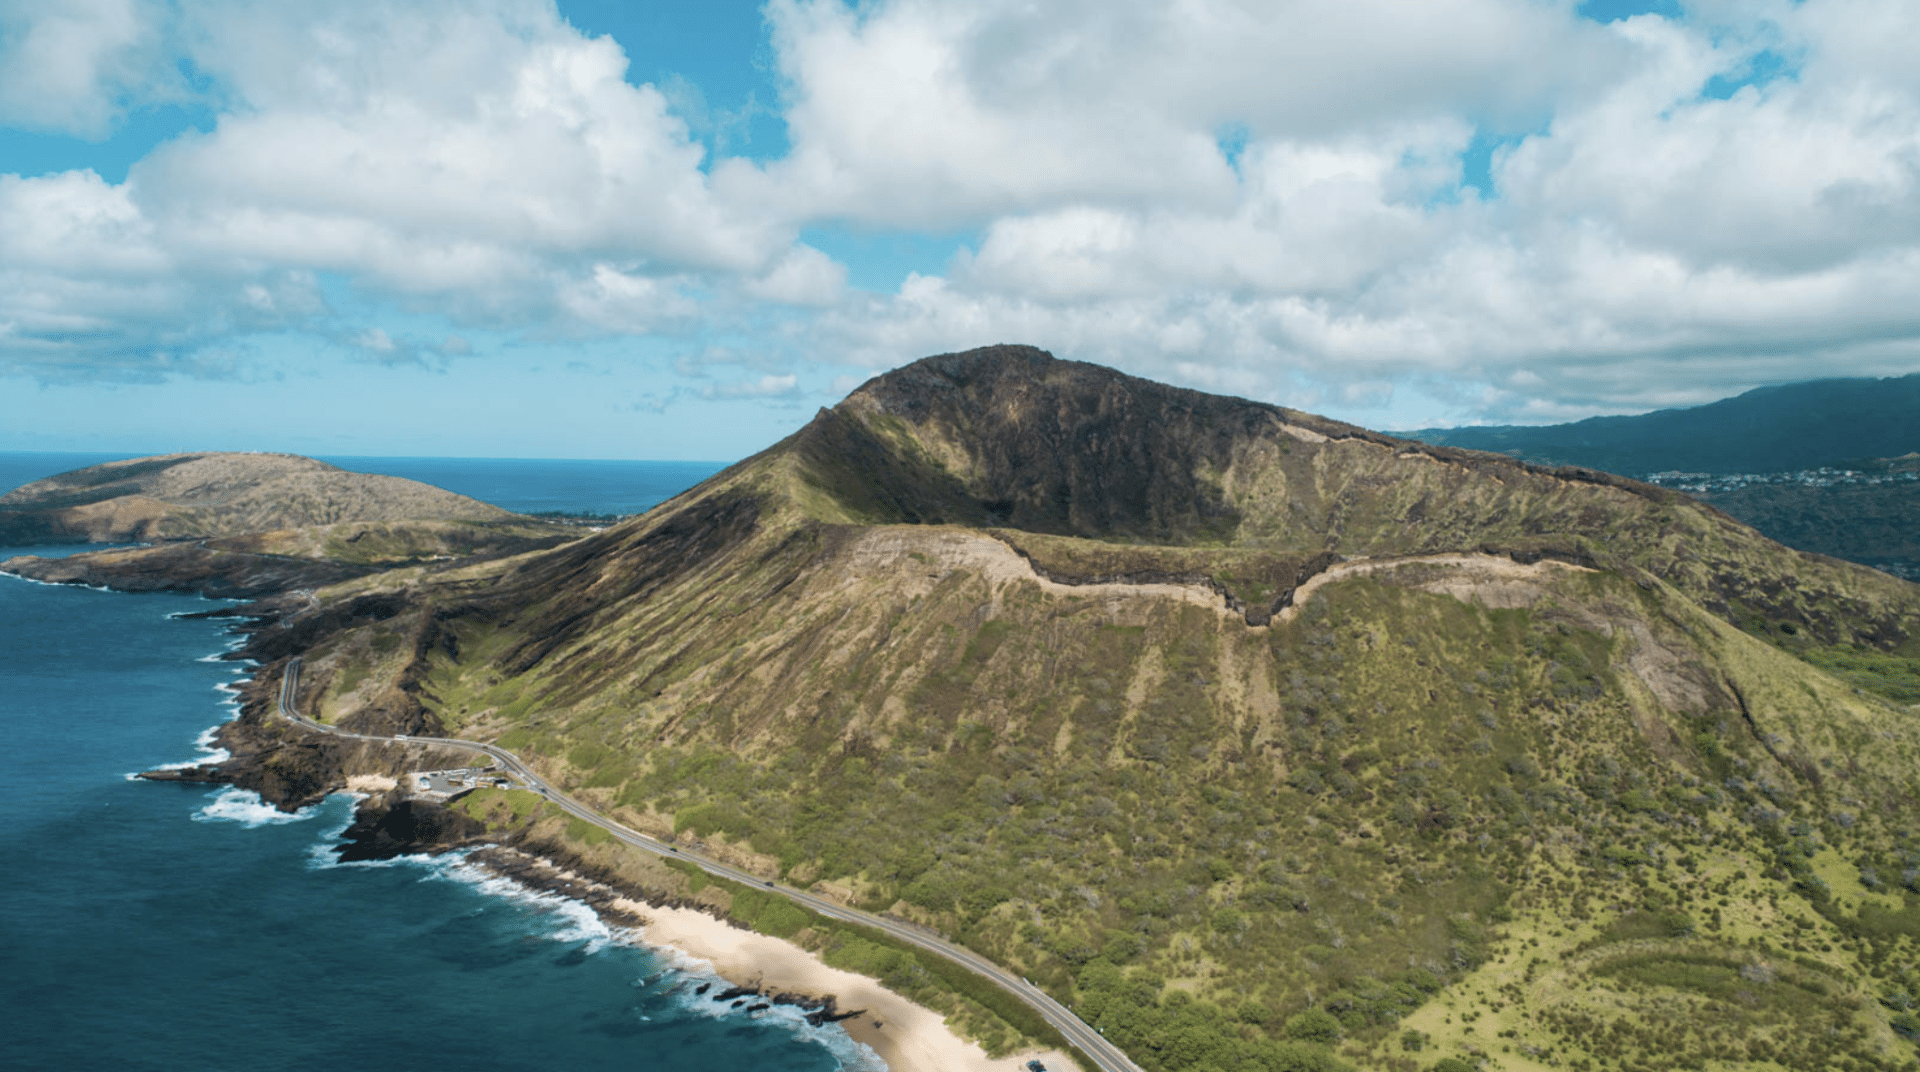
pixel 1868 517
pixel 1770 446
pixel 1562 772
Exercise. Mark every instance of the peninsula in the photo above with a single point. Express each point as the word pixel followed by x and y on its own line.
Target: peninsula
pixel 232 525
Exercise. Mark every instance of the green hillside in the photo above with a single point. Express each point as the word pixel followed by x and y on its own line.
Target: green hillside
pixel 1264 741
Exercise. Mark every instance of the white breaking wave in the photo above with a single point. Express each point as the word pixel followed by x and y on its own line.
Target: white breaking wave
pixel 320 855
pixel 578 922
pixel 57 584
pixel 849 1055
pixel 574 921
pixel 221 655
pixel 209 754
pixel 245 807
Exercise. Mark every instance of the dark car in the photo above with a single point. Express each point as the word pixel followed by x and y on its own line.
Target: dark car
pixel 1035 1066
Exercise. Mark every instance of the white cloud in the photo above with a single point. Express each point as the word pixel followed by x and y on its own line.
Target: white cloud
pixel 375 339
pixel 1641 243
pixel 1647 246
pixel 481 160
pixel 620 301
pixel 918 112
pixel 805 276
pixel 1794 176
pixel 1310 217
pixel 768 386
pixel 439 147
pixel 71 67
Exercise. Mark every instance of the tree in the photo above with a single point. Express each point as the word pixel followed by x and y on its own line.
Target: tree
pixel 1314 1025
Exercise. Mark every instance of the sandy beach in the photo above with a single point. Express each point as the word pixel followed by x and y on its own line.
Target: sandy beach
pixel 908 1037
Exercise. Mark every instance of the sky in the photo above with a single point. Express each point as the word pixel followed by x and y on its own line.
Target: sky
pixel 651 229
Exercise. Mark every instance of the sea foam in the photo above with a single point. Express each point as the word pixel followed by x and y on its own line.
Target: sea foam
pixel 57 584
pixel 574 921
pixel 569 921
pixel 244 806
pixel 209 754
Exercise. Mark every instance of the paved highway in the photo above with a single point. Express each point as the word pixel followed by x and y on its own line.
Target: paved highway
pixel 1090 1042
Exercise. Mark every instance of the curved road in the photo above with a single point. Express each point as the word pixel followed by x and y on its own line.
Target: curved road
pixel 1088 1041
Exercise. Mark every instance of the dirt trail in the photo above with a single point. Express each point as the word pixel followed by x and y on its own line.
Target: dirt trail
pixel 1495 580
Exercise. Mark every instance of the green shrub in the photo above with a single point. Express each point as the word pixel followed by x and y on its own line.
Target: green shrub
pixel 1314 1025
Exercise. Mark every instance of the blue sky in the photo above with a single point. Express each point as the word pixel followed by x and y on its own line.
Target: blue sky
pixel 663 230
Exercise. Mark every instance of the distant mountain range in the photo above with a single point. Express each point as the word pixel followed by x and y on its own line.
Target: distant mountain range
pixel 1826 465
pixel 1780 429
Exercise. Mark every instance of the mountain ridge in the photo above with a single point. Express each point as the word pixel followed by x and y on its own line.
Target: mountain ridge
pixel 1532 755
pixel 1779 428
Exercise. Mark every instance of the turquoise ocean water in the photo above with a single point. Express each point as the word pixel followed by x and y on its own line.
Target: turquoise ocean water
pixel 161 926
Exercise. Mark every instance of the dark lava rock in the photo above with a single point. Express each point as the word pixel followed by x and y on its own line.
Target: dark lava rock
pixel 201 775
pixel 408 826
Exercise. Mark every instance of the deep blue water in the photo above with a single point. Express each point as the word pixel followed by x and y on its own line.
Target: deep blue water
pixel 519 484
pixel 156 926
pixel 531 486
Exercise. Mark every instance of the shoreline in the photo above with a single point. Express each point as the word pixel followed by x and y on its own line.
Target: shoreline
pixel 905 1036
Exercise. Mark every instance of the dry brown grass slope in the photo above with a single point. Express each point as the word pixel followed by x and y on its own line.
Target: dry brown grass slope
pixel 217 494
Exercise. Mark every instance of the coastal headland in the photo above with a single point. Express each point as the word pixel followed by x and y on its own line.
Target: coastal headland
pixel 535 845
pixel 1255 739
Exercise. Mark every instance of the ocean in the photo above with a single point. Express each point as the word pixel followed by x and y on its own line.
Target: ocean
pixel 167 926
